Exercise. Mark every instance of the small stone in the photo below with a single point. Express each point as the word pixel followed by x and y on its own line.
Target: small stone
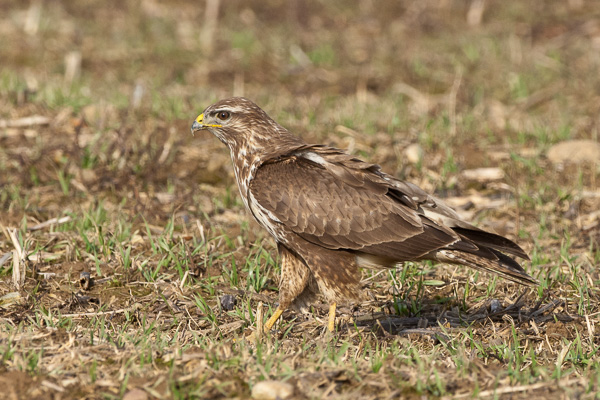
pixel 136 394
pixel 413 153
pixel 85 280
pixel 483 175
pixel 228 302
pixel 271 390
pixel 575 151
pixel 495 306
pixel 88 175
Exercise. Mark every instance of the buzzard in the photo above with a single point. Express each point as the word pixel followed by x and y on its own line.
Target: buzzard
pixel 331 213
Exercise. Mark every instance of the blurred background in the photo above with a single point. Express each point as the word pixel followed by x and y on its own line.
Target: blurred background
pixel 425 88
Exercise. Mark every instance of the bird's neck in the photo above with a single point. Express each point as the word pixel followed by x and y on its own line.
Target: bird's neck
pixel 244 169
pixel 249 155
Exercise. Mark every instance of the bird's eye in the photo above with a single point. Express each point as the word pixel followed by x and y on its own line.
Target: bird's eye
pixel 223 115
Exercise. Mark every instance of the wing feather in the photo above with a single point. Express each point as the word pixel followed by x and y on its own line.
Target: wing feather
pixel 337 207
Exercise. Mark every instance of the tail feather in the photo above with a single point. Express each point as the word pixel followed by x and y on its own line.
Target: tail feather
pixel 492 241
pixel 498 263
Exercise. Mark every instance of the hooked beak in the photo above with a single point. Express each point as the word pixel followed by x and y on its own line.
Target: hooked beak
pixel 199 125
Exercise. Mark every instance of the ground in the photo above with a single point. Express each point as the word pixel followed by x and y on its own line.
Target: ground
pixel 149 279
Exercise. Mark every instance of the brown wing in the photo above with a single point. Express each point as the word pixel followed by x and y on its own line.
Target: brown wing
pixel 337 207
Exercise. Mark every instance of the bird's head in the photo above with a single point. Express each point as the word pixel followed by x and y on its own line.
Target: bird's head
pixel 237 122
pixel 246 129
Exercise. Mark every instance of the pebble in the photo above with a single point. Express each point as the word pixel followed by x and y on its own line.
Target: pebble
pixel 495 306
pixel 575 152
pixel 271 390
pixel 136 394
pixel 413 153
pixel 228 302
pixel 483 174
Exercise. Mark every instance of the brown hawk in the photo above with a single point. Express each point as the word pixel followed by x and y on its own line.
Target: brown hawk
pixel 332 213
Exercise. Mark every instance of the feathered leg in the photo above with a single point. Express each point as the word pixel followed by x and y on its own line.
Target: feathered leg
pixel 295 276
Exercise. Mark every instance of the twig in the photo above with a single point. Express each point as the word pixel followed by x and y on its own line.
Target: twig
pixel 24 122
pixel 32 20
pixel 211 16
pixel 53 386
pixel 475 13
pixel 514 389
pixel 539 97
pixel 549 306
pixel 538 304
pixel 51 221
pixel 72 66
pixel 18 259
pixel 184 279
pixel 5 258
pixel 423 102
pixel 93 314
pixel 426 332
pixel 259 320
pixel 452 102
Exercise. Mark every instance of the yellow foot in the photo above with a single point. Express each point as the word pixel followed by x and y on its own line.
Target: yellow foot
pixel 269 324
pixel 331 322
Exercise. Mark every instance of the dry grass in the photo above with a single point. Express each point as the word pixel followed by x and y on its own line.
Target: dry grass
pixel 151 275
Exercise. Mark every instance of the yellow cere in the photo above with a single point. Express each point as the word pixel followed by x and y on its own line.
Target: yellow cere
pixel 201 118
